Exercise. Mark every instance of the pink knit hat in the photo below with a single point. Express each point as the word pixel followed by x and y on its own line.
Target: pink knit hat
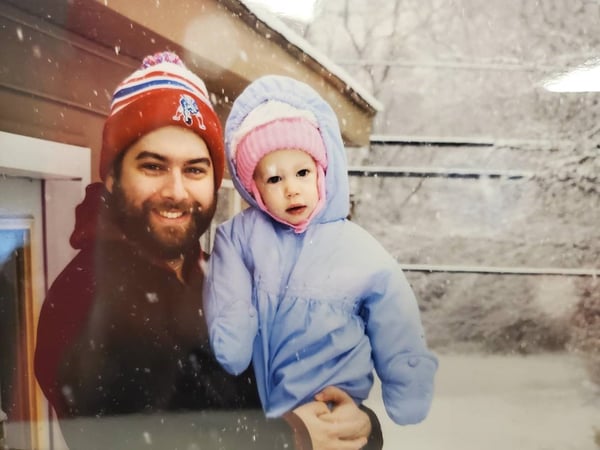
pixel 274 126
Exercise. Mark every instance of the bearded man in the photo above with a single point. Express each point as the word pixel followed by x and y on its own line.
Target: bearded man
pixel 122 348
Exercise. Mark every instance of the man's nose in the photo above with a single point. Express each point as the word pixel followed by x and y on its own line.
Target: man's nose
pixel 174 187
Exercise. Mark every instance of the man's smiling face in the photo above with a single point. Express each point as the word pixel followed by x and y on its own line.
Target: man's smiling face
pixel 164 193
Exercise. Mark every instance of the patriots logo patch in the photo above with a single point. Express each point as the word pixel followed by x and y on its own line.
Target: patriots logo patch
pixel 187 110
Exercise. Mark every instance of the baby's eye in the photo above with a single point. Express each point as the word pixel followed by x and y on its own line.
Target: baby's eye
pixel 274 179
pixel 303 172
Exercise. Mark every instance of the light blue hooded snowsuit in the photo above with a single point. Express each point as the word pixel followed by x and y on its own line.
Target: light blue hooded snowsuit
pixel 317 308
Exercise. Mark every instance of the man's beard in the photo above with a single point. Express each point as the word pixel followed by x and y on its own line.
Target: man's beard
pixel 163 242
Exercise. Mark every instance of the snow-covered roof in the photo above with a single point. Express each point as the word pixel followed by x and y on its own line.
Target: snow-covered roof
pixel 294 43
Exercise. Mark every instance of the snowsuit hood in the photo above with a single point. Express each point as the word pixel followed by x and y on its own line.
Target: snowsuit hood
pixel 301 96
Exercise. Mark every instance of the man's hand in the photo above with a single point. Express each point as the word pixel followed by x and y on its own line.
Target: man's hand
pixel 353 422
pixel 344 427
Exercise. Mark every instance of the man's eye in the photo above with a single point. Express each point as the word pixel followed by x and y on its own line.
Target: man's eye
pixel 273 180
pixel 303 172
pixel 152 167
pixel 196 171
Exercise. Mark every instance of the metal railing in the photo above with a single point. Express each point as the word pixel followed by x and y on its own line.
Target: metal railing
pixel 464 173
pixel 497 270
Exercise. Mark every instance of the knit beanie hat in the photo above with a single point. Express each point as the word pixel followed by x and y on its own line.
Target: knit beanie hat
pixel 272 126
pixel 161 92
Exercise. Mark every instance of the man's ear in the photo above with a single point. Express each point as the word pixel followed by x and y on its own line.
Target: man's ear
pixel 110 181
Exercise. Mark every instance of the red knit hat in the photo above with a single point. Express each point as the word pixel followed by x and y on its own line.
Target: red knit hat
pixel 160 93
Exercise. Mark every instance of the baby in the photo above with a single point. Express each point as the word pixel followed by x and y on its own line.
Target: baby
pixel 308 296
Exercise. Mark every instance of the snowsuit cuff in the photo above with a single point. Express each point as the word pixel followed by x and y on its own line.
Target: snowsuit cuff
pixel 301 435
pixel 375 440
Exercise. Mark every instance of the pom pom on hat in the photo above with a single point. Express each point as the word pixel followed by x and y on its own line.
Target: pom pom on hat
pixel 274 126
pixel 160 93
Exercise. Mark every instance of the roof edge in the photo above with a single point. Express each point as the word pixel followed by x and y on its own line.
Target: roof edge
pixel 277 31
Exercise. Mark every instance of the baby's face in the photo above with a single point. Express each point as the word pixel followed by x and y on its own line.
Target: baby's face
pixel 287 182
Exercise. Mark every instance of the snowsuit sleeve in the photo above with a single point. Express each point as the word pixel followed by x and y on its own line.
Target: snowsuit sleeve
pixel 230 316
pixel 401 358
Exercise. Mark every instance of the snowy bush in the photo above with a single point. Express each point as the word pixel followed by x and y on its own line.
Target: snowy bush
pixel 492 314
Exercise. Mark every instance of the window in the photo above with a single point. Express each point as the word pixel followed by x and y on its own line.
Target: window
pixel 17 382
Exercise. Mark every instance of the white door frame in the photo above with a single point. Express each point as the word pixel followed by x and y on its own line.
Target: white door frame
pixel 66 171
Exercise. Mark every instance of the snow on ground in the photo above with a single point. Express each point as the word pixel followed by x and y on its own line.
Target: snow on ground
pixel 491 402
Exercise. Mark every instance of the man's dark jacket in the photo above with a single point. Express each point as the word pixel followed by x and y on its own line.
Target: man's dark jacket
pixel 123 354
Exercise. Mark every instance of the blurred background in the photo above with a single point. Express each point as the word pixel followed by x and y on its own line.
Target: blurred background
pixel 482 179
pixel 473 141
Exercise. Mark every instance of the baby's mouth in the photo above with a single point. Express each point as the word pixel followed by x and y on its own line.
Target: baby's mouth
pixel 295 209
